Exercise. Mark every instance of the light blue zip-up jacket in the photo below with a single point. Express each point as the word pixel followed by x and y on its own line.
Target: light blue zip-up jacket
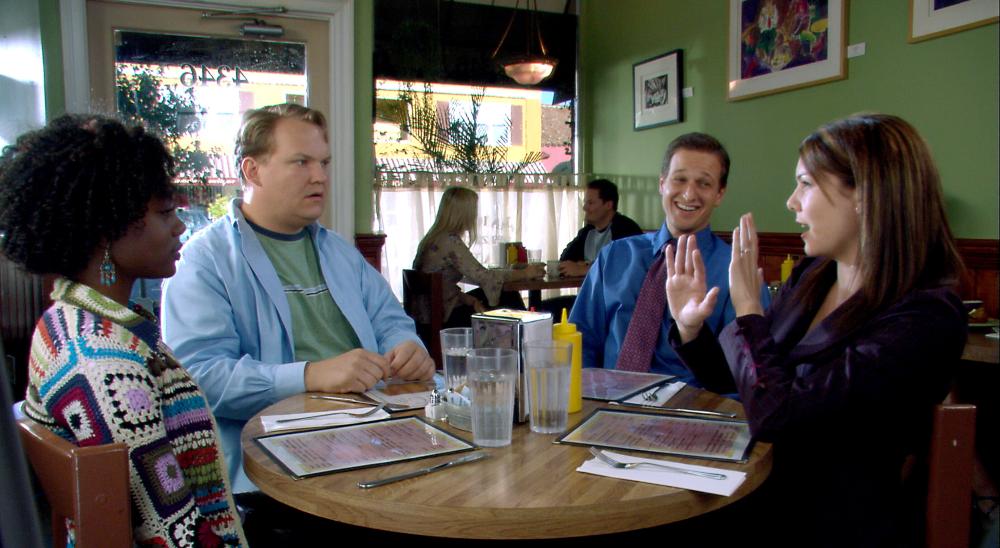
pixel 227 320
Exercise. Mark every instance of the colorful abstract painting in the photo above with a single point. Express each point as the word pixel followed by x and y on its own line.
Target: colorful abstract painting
pixel 782 34
pixel 784 44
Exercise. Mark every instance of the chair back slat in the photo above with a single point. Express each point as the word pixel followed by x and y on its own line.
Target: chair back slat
pixel 949 489
pixel 419 288
pixel 88 485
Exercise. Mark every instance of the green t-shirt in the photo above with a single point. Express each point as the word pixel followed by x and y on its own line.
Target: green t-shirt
pixel 319 328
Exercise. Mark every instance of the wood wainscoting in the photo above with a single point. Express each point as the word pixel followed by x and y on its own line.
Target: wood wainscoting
pixel 981 256
pixel 370 246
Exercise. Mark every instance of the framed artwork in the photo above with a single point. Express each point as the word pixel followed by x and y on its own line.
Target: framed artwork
pixel 656 91
pixel 933 18
pixel 779 45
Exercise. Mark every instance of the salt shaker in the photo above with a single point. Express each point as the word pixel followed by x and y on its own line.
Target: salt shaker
pixel 434 410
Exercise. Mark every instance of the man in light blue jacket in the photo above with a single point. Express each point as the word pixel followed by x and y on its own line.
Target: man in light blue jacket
pixel 267 303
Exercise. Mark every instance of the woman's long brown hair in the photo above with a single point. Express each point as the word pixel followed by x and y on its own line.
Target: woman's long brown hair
pixel 906 243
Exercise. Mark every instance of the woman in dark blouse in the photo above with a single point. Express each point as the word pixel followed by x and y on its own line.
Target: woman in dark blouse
pixel 842 372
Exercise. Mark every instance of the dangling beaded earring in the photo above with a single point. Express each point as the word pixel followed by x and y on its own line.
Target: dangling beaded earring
pixel 108 275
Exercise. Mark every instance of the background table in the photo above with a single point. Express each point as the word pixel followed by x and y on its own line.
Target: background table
pixel 535 287
pixel 980 348
pixel 529 489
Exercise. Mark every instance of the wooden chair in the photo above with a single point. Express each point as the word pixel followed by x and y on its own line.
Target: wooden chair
pixel 421 286
pixel 86 484
pixel 950 468
pixel 23 299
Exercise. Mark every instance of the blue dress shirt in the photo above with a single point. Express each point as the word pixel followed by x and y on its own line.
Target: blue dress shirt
pixel 607 298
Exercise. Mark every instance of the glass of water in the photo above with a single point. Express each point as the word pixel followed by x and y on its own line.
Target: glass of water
pixel 492 374
pixel 455 344
pixel 547 368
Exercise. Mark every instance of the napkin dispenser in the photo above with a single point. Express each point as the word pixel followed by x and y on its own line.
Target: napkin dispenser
pixel 505 328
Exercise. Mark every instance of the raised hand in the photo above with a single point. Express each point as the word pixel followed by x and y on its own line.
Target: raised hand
pixel 745 276
pixel 688 297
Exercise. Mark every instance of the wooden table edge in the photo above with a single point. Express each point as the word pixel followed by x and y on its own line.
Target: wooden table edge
pixel 534 522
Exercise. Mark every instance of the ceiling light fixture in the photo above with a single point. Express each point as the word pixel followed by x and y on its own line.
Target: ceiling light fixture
pixel 530 68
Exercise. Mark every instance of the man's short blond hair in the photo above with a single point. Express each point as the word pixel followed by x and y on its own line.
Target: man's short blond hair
pixel 256 136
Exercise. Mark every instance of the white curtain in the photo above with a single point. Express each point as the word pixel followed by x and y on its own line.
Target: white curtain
pixel 542 211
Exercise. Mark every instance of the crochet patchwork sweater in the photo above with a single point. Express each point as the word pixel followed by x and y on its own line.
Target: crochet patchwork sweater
pixel 99 374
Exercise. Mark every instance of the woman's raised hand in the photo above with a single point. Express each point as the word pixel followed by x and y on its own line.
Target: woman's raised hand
pixel 745 276
pixel 687 293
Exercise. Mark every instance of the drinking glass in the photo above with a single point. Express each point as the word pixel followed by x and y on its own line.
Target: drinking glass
pixel 547 366
pixel 455 344
pixel 492 374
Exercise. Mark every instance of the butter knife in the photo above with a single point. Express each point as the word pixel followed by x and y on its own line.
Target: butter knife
pixel 468 458
pixel 678 410
pixel 391 406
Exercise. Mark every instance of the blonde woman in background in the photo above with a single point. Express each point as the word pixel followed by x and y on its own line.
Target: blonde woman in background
pixel 444 250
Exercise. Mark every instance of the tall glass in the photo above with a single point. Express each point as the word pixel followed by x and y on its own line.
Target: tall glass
pixel 455 344
pixel 492 374
pixel 547 366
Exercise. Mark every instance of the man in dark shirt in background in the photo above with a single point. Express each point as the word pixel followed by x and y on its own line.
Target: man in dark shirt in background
pixel 604 224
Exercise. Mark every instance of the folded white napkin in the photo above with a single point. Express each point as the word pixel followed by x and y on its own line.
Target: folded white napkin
pixel 410 400
pixel 650 474
pixel 662 395
pixel 271 424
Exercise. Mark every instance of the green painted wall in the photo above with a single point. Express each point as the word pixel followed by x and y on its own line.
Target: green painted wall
pixel 55 95
pixel 364 40
pixel 947 87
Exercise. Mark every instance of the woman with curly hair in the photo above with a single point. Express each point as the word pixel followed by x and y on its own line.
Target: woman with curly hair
pixel 842 371
pixel 91 201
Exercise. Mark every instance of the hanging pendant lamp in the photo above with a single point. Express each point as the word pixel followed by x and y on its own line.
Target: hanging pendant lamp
pixel 530 68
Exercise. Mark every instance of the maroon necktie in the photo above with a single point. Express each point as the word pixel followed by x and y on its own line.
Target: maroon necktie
pixel 636 353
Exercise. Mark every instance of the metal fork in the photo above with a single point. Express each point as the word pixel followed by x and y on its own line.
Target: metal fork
pixel 651 395
pixel 368 413
pixel 629 465
pixel 389 406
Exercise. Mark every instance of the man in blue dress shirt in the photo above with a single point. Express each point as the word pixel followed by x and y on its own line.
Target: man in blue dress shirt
pixel 692 184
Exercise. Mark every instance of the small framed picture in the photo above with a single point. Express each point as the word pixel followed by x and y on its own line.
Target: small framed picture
pixel 656 86
pixel 933 18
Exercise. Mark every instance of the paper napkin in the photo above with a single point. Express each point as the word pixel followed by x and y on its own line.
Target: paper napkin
pixel 270 424
pixel 649 474
pixel 662 396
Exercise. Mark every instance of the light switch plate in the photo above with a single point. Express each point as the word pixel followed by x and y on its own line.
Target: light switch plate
pixel 856 50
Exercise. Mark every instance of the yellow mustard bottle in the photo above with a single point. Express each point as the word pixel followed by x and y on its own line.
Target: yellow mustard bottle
pixel 511 254
pixel 565 331
pixel 786 268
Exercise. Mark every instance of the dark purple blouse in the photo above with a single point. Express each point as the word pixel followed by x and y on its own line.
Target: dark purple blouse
pixel 843 409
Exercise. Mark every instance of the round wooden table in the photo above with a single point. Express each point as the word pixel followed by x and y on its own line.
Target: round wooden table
pixel 529 489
